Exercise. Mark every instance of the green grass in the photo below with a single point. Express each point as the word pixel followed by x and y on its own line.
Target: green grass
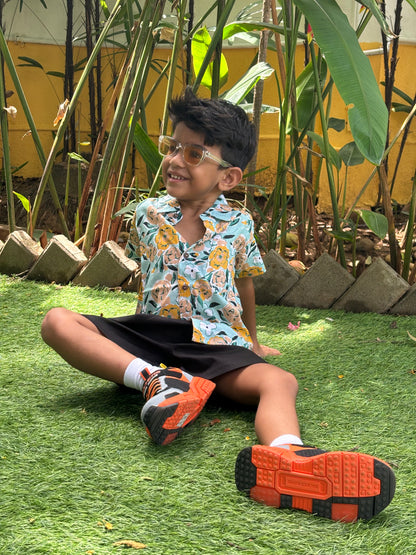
pixel 74 456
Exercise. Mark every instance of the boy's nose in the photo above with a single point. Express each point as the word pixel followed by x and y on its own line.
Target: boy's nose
pixel 177 158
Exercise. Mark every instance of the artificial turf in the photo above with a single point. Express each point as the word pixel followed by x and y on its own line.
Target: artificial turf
pixel 79 474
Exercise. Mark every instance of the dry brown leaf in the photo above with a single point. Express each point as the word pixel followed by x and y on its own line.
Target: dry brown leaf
pixel 130 543
pixel 61 112
pixel 411 336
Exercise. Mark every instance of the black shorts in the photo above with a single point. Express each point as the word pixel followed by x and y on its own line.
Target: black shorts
pixel 159 340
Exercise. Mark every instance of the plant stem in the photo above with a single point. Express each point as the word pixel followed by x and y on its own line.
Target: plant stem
pixel 409 232
pixel 36 139
pixel 215 39
pixel 71 107
pixel 331 182
pixel 6 150
pixel 119 137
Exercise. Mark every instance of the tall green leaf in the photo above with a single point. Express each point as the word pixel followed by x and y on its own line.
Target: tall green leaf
pixel 147 149
pixel 200 44
pixel 375 10
pixel 334 157
pixel 352 74
pixel 305 93
pixel 240 90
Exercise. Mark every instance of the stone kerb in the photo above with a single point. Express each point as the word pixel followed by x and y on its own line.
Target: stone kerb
pixel 377 289
pixel 20 251
pixel 109 267
pixel 60 262
pixel 407 304
pixel 320 286
pixel 276 281
pixel 325 285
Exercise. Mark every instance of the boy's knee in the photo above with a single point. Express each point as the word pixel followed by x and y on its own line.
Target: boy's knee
pixel 51 322
pixel 280 377
pixel 292 381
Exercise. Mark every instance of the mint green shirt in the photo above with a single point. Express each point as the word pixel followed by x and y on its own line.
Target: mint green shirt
pixel 195 282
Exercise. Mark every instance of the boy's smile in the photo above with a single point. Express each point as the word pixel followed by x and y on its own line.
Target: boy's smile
pixel 201 184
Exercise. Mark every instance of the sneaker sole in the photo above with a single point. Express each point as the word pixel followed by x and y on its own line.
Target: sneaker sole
pixel 166 420
pixel 339 485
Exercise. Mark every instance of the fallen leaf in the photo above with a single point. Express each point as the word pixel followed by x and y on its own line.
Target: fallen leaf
pixel 411 336
pixel 227 429
pixel 108 525
pixel 214 421
pixel 130 543
pixel 298 266
pixel 293 327
pixel 341 376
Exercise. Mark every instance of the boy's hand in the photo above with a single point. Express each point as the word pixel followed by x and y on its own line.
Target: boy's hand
pixel 264 350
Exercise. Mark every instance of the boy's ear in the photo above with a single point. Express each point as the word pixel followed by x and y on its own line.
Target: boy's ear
pixel 231 178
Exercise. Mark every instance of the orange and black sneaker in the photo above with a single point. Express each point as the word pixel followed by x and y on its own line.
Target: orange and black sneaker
pixel 173 401
pixel 340 485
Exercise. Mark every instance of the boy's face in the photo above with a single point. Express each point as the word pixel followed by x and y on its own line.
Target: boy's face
pixel 203 183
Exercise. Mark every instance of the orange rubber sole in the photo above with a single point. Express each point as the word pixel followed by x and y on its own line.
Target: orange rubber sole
pixel 166 420
pixel 339 485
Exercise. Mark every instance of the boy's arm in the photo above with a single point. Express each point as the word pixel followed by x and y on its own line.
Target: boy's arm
pixel 245 289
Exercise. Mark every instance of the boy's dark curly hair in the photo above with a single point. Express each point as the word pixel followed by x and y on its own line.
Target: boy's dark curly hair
pixel 221 122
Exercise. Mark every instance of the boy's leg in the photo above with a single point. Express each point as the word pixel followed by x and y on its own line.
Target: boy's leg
pixel 78 341
pixel 174 398
pixel 274 392
pixel 339 485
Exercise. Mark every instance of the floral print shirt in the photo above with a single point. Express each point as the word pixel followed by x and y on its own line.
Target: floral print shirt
pixel 195 282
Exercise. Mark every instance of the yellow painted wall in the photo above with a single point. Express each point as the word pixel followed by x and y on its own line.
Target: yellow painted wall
pixel 44 94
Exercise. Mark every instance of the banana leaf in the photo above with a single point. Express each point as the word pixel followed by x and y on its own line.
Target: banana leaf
pixel 200 44
pixel 239 91
pixel 352 74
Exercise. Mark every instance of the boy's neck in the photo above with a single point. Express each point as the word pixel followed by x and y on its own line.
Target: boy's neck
pixel 194 208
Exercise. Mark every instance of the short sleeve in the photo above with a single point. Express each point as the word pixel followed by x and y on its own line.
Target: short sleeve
pixel 248 260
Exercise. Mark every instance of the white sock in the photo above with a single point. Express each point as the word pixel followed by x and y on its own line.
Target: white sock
pixel 134 376
pixel 286 439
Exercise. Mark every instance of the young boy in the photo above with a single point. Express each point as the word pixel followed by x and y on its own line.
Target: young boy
pixel 196 319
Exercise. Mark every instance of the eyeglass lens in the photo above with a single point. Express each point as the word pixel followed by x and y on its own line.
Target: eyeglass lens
pixel 192 154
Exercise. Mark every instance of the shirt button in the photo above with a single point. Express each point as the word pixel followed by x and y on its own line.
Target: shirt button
pixel 186 255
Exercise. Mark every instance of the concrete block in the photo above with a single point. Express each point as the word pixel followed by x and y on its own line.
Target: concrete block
pixel 407 304
pixel 376 290
pixel 320 286
pixel 279 277
pixel 60 261
pixel 20 251
pixel 109 267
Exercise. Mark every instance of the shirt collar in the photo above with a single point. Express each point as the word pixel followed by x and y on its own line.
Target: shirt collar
pixel 220 210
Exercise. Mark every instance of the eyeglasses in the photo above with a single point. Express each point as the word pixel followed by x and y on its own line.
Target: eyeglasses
pixel 193 155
